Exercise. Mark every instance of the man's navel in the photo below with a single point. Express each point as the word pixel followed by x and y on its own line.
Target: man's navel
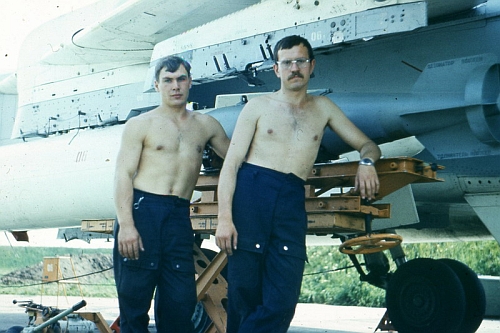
pixel 316 137
pixel 270 131
pixel 160 147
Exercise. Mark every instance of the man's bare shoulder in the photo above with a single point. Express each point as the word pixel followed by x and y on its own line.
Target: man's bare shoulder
pixel 202 117
pixel 265 98
pixel 205 120
pixel 143 117
pixel 259 103
pixel 325 102
pixel 137 121
pixel 139 126
pixel 326 106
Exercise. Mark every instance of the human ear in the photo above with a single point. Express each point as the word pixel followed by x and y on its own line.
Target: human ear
pixel 276 70
pixel 313 63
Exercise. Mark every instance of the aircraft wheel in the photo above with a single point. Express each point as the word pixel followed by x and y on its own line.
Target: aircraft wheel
pixel 425 296
pixel 475 298
pixel 14 329
pixel 200 318
pixel 370 243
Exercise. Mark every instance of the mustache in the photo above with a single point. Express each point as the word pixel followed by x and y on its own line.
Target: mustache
pixel 295 74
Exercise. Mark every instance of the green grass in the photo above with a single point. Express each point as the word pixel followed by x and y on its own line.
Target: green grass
pixel 94 281
pixel 326 282
pixel 14 258
pixel 325 279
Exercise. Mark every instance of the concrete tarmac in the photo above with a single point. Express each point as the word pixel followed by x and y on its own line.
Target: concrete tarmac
pixel 309 318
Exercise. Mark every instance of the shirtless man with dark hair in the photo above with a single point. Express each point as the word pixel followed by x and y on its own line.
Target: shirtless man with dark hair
pixel 262 221
pixel 156 172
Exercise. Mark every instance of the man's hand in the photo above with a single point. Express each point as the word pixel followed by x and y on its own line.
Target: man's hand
pixel 129 242
pixel 367 183
pixel 226 236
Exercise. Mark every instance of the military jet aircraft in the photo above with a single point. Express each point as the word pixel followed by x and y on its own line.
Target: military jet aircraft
pixel 421 78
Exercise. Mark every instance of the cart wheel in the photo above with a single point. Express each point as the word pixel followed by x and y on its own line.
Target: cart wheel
pixel 475 298
pixel 14 329
pixel 200 318
pixel 425 296
pixel 370 243
pixel 55 328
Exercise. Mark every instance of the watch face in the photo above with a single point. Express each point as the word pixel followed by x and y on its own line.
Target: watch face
pixel 366 161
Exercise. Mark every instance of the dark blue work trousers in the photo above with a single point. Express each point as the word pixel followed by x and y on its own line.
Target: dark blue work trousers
pixel 166 264
pixel 265 272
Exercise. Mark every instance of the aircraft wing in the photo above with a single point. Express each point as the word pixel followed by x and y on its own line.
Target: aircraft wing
pixel 8 84
pixel 242 42
pixel 125 29
pixel 131 28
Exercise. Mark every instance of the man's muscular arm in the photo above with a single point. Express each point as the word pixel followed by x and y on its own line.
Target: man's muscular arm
pixel 219 140
pixel 367 182
pixel 129 240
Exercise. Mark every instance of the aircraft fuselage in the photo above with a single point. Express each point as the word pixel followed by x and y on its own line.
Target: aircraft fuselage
pixel 377 82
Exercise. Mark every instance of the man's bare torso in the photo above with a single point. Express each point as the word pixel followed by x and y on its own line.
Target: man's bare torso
pixel 172 154
pixel 287 137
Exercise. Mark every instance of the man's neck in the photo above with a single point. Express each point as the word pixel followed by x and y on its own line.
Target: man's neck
pixel 174 111
pixel 295 97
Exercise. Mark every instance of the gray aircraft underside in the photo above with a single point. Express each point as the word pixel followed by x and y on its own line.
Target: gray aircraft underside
pixel 438 83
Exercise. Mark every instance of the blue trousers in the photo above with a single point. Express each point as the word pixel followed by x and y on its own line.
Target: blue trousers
pixel 166 265
pixel 265 272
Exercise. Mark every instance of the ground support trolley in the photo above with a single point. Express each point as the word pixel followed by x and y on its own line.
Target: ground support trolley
pixel 341 212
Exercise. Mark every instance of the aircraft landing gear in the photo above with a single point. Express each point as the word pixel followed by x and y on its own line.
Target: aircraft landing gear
pixel 423 295
pixel 427 295
pixel 371 243
pixel 475 298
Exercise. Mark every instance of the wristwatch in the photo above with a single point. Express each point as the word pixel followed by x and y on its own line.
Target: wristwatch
pixel 366 161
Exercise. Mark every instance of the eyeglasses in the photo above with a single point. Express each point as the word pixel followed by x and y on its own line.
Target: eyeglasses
pixel 287 64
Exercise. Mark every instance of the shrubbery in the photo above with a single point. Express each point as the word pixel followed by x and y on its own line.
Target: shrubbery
pixel 325 281
pixel 22 268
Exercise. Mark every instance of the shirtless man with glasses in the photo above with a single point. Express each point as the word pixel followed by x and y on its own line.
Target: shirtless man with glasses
pixel 262 221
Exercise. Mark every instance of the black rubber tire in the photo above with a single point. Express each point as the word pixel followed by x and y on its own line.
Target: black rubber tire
pixel 56 328
pixel 475 298
pixel 14 329
pixel 200 318
pixel 425 296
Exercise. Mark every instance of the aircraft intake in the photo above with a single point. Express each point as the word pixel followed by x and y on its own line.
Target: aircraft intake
pixel 482 93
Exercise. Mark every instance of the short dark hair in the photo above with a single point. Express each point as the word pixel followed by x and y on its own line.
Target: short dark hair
pixel 171 64
pixel 291 41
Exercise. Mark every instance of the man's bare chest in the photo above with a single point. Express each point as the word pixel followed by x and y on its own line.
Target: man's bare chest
pixel 172 139
pixel 286 127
